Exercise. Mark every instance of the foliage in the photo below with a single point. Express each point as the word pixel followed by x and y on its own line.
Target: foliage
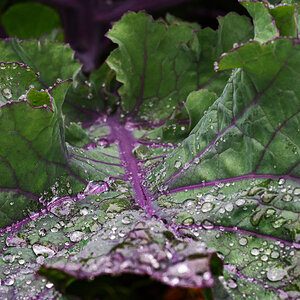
pixel 178 160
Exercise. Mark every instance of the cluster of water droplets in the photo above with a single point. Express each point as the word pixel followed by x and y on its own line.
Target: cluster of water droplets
pixel 233 220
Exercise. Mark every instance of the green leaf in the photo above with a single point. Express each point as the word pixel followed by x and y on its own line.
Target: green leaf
pixel 197 104
pixel 223 202
pixel 30 20
pixel 181 59
pixel 36 54
pixel 285 19
pixel 36 98
pixel 264 24
pixel 237 167
pixel 10 88
pixel 271 22
pixel 76 136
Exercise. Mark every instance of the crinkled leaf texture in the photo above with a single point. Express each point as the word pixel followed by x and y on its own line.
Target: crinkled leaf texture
pixel 120 198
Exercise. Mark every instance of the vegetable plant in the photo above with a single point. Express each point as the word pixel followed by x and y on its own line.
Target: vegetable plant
pixel 177 160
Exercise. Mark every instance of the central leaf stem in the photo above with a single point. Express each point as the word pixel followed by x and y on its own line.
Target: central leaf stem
pixel 123 137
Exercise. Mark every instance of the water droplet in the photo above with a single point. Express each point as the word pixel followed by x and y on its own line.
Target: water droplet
pixel 297 191
pixel 255 251
pixel 229 207
pixel 240 202
pixel 182 269
pixel 42 250
pixel 177 164
pixel 206 207
pixel 231 283
pixel 7 93
pixel 207 225
pixel 267 197
pixel 103 143
pixel 42 232
pixel 279 222
pixel 188 221
pixel 243 241
pixel 84 211
pixel 276 273
pixel 264 258
pixel 275 254
pixel 76 236
pixel 40 259
pixel 256 190
pixel 149 259
pixel 126 220
pixel 49 285
pixel 112 237
pixel 9 281
pixel 256 217
pixel 189 202
pixel 9 258
pixel 287 198
pixel 186 166
pixel 270 212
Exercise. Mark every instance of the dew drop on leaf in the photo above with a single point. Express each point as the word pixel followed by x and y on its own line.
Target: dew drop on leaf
pixel 276 274
pixel 240 202
pixel 229 207
pixel 231 283
pixel 76 236
pixel 264 258
pixel 279 222
pixel 206 207
pixel 287 198
pixel 243 241
pixel 49 285
pixel 269 212
pixel 7 93
pixel 126 220
pixel 297 191
pixel 9 281
pixel 177 164
pixel 275 254
pixel 84 211
pixel 188 221
pixel 207 225
pixel 255 252
pixel 42 250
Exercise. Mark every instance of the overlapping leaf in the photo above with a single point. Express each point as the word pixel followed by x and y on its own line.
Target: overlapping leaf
pixel 180 56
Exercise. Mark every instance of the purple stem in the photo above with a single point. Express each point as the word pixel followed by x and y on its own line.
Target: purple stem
pixel 126 142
